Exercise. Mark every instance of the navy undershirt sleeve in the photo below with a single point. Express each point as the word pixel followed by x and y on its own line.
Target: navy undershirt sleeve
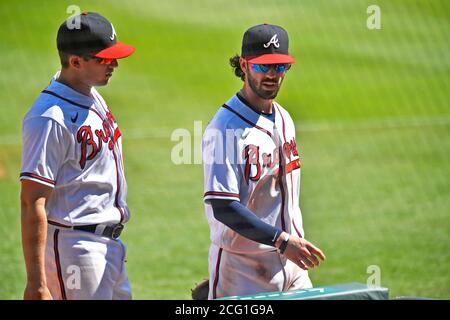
pixel 240 219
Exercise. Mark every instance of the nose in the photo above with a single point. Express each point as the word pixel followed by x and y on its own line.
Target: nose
pixel 272 73
pixel 114 63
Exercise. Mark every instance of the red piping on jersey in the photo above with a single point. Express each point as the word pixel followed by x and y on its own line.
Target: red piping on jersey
pixel 281 155
pixel 284 136
pixel 295 227
pixel 217 193
pixel 116 198
pixel 216 279
pixel 57 224
pixel 283 223
pixel 117 133
pixel 248 121
pixel 282 119
pixel 35 176
pixel 292 191
pixel 58 264
pixel 116 202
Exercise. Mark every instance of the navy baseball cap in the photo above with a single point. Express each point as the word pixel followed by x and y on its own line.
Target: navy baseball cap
pixel 91 34
pixel 266 44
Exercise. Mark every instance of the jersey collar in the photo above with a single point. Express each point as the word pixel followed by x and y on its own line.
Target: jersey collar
pixel 239 106
pixel 69 93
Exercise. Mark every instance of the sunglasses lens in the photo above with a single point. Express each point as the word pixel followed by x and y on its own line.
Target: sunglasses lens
pixel 281 68
pixel 260 68
pixel 106 61
pixel 263 68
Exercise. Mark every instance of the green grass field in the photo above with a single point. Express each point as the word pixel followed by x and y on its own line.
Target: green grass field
pixel 372 109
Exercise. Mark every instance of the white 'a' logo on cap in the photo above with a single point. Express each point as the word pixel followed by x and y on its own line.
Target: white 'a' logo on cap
pixel 113 33
pixel 274 41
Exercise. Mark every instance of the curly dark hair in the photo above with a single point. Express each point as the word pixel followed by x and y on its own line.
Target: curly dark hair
pixel 234 63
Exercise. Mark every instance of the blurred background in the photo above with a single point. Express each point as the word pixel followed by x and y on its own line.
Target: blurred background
pixel 371 109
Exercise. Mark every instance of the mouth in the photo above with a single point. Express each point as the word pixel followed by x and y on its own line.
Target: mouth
pixel 109 74
pixel 270 84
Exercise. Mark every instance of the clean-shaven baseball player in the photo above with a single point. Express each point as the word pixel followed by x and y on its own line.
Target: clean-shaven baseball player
pixel 73 184
pixel 252 179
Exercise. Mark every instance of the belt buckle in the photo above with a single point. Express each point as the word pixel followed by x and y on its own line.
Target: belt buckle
pixel 116 231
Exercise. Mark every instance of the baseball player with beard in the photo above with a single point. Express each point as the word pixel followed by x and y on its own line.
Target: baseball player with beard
pixel 252 179
pixel 73 187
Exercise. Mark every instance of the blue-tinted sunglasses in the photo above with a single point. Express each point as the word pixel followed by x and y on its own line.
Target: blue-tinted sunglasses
pixel 263 68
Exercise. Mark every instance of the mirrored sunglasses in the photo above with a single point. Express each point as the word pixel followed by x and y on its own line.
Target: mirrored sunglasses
pixel 263 68
pixel 106 61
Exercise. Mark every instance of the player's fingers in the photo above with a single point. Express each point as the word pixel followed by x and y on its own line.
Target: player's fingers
pixel 317 252
pixel 313 249
pixel 308 255
pixel 314 259
pixel 300 263
pixel 298 260
pixel 306 261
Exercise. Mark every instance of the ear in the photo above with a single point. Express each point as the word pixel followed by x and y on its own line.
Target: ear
pixel 75 61
pixel 243 64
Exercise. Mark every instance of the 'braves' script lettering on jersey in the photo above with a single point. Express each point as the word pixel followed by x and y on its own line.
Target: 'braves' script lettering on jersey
pixel 269 161
pixel 290 148
pixel 251 156
pixel 86 138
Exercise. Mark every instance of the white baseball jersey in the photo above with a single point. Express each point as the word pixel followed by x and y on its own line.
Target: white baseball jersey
pixel 241 153
pixel 72 143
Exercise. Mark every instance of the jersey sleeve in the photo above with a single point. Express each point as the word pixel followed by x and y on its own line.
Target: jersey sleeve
pixel 221 168
pixel 44 150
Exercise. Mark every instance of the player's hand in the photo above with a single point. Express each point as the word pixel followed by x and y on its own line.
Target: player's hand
pixel 33 292
pixel 303 253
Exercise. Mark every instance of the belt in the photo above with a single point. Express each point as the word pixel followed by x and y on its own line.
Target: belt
pixel 112 232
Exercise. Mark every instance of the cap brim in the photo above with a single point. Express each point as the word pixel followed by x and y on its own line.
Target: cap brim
pixel 118 51
pixel 271 58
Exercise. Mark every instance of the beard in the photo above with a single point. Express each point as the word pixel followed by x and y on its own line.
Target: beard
pixel 259 91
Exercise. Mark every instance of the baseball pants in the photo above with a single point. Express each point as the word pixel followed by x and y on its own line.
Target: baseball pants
pixel 83 266
pixel 233 274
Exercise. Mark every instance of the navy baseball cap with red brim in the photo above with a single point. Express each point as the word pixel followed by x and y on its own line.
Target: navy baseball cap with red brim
pixel 91 35
pixel 266 44
pixel 271 58
pixel 118 51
